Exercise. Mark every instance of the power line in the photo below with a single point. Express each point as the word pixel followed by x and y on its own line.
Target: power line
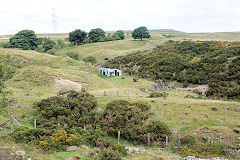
pixel 54 20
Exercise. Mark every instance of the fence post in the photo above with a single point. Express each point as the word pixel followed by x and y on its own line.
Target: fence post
pixel 166 142
pixel 118 137
pixel 105 93
pixel 11 122
pixel 84 127
pixel 211 139
pixel 58 124
pixel 35 123
pixel 148 139
pixel 178 141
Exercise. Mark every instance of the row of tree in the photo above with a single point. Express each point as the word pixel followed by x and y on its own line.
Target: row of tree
pixel 98 35
pixel 95 35
pixel 27 39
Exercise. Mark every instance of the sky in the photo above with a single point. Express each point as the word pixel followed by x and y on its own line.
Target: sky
pixel 184 15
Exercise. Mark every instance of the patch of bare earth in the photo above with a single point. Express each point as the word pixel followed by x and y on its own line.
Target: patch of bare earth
pixel 66 85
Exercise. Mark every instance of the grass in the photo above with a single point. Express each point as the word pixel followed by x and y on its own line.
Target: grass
pixel 35 82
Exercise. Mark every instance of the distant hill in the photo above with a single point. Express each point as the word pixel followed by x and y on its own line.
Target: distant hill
pixel 164 31
pixel 154 31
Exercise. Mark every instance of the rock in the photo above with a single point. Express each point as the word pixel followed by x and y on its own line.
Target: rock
pixel 214 109
pixel 165 104
pixel 99 109
pixel 173 130
pixel 160 150
pixel 237 131
pixel 205 115
pixel 86 154
pixel 186 113
pixel 134 150
pixel 72 148
pixel 84 147
pixel 237 109
pixel 27 94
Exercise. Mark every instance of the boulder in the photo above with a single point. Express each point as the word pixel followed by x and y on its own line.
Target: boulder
pixel 84 147
pixel 72 148
pixel 86 154
pixel 214 109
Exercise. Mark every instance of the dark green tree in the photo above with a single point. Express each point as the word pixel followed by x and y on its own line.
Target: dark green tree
pixel 119 34
pixel 77 37
pixel 96 35
pixel 48 44
pixel 25 39
pixel 140 33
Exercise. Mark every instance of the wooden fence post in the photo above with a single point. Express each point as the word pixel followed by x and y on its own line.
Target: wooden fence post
pixel 35 123
pixel 166 142
pixel 211 139
pixel 118 137
pixel 148 139
pixel 105 93
pixel 178 141
pixel 11 122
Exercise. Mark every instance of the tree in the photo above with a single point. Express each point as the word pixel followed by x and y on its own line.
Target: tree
pixel 90 59
pixel 96 35
pixel 140 33
pixel 119 34
pixel 48 44
pixel 78 36
pixel 25 39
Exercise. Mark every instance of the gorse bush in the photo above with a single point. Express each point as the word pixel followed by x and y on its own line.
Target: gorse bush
pixel 188 140
pixel 71 108
pixel 189 62
pixel 129 118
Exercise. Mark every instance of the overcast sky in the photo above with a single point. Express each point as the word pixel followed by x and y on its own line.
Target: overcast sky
pixel 183 15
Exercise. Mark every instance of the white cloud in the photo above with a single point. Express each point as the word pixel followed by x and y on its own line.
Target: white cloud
pixel 185 15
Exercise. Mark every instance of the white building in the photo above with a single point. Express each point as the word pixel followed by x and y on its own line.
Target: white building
pixel 110 72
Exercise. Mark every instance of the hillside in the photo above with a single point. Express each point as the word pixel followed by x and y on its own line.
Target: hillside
pixel 36 76
pixel 203 62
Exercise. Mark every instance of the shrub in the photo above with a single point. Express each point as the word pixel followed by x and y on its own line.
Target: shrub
pixel 71 108
pixel 203 151
pixel 188 140
pixel 158 94
pixel 48 44
pixel 73 55
pixel 90 59
pixel 51 51
pixel 109 154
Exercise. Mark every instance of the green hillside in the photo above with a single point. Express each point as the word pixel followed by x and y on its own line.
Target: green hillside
pixel 32 76
pixel 202 62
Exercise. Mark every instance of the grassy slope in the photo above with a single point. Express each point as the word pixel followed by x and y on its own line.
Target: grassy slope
pixel 37 79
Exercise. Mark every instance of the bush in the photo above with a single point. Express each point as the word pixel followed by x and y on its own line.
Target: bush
pixel 48 44
pixel 71 108
pixel 73 55
pixel 203 151
pixel 90 59
pixel 51 51
pixel 109 154
pixel 188 140
pixel 158 94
